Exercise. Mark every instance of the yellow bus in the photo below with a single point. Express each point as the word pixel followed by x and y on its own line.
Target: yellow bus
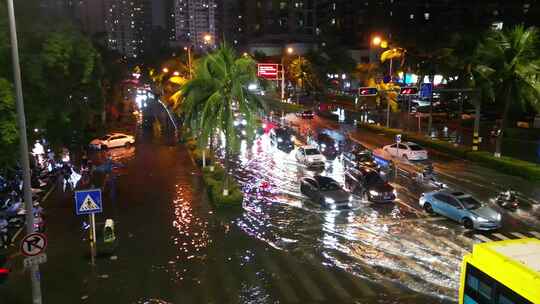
pixel 503 272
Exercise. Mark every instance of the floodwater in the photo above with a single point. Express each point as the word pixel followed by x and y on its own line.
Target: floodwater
pixel 173 247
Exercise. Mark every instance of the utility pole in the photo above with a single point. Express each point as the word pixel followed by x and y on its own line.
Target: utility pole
pixel 25 162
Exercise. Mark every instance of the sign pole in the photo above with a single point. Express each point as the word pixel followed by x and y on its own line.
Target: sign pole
pixel 23 143
pixel 92 219
pixel 89 202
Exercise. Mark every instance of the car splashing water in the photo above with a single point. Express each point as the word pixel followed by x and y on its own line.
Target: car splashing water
pixel 386 244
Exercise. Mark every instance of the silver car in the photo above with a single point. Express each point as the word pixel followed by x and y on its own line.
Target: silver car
pixel 462 208
pixel 326 192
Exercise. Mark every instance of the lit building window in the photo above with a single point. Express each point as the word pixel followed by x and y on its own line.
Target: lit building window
pixel 411 16
pixel 426 16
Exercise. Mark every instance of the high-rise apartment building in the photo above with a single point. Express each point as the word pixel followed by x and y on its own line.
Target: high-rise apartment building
pixel 128 24
pixel 286 19
pixel 357 20
pixel 90 15
pixel 196 23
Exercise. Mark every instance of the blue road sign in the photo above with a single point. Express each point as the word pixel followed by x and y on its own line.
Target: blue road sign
pixel 88 201
pixel 426 90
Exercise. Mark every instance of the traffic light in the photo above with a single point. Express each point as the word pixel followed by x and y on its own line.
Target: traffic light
pixel 367 91
pixel 408 91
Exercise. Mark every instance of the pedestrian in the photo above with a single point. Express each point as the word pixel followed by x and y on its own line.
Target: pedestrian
pixel 84 161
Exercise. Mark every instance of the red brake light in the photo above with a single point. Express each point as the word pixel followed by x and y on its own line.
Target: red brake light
pixel 4 271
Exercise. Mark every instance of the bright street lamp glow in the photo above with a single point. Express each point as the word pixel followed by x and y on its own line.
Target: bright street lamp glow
pixel 176 73
pixel 290 50
pixel 165 70
pixel 207 38
pixel 376 40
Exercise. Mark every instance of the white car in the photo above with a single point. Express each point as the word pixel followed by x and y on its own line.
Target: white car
pixel 310 156
pixel 407 150
pixel 112 140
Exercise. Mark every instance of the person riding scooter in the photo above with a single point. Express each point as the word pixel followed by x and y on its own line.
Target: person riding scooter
pixel 428 176
pixel 508 199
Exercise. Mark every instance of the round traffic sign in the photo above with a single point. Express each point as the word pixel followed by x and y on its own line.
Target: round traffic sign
pixel 33 244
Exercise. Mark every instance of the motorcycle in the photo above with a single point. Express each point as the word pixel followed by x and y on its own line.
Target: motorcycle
pixel 507 200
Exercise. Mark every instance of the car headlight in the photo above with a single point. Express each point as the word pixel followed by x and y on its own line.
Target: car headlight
pixel 373 192
pixel 293 138
pixel 498 217
pixel 329 200
pixel 279 139
pixel 323 146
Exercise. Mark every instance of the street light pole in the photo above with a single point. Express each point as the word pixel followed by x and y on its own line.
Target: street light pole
pixel 189 61
pixel 23 145
pixel 282 79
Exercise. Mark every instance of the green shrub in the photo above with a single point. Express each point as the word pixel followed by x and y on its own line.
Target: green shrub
pixel 197 155
pixel 522 134
pixel 507 165
pixel 214 181
pixel 276 105
pixel 191 144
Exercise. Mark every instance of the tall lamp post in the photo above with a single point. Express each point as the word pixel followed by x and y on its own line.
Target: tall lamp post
pixel 188 49
pixel 23 145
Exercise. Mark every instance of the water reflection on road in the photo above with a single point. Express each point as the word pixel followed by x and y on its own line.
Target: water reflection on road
pixel 386 244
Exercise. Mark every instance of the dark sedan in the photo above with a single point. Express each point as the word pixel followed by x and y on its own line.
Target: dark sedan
pixel 326 192
pixel 368 183
pixel 283 139
pixel 327 145
pixel 359 157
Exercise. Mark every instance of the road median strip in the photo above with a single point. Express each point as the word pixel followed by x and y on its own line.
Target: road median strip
pixel 508 165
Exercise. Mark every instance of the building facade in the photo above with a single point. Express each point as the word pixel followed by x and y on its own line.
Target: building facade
pixel 128 25
pixel 195 23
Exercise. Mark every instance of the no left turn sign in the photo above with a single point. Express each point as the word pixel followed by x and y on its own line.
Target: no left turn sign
pixel 33 244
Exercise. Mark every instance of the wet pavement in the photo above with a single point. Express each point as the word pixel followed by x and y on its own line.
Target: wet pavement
pixel 282 248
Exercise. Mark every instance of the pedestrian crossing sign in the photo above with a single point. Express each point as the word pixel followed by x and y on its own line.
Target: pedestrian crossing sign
pixel 88 201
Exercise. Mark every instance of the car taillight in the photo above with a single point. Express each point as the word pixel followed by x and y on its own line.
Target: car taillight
pixel 4 271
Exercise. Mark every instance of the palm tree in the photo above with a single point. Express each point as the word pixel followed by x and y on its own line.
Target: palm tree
pixel 302 72
pixel 512 66
pixel 218 92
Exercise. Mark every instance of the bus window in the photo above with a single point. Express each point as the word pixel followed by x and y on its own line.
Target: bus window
pixel 482 289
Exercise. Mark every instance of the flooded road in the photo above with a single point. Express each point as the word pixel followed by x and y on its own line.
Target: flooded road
pixel 387 244
pixel 280 248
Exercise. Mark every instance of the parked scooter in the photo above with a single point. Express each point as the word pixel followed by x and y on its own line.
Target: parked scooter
pixel 508 200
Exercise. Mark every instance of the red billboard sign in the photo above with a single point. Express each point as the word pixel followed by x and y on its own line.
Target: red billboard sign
pixel 268 70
